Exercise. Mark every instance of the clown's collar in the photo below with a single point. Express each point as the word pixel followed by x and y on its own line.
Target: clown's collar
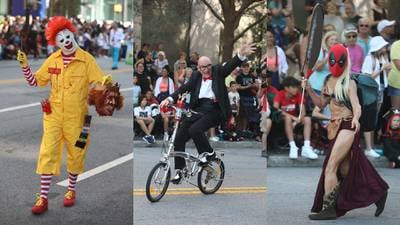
pixel 79 54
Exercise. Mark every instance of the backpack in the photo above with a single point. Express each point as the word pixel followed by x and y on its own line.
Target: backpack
pixel 367 90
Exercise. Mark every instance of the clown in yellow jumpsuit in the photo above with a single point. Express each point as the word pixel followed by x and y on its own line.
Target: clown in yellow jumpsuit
pixel 68 101
pixel 70 72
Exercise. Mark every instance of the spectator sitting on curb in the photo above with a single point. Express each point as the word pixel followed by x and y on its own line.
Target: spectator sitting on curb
pixel 288 100
pixel 142 114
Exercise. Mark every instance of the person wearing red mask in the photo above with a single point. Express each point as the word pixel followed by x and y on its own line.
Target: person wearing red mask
pixel 348 179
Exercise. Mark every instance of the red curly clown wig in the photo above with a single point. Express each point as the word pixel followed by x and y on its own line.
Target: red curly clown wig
pixel 55 25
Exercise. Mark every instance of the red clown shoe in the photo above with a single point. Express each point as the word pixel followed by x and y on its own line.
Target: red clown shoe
pixel 40 206
pixel 69 198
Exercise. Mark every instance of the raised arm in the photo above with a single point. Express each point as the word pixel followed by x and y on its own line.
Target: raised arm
pixel 26 69
pixel 244 51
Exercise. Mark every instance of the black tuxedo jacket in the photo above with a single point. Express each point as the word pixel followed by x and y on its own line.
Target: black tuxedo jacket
pixel 219 73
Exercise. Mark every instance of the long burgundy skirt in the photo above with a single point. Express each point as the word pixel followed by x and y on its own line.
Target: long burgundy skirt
pixel 360 188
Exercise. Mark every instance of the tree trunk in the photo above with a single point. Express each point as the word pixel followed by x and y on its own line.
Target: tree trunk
pixel 228 33
pixel 227 40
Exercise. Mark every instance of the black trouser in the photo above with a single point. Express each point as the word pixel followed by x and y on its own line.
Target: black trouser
pixel 195 127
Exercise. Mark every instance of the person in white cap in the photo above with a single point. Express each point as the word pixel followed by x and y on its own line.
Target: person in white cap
pixel 377 65
pixel 386 30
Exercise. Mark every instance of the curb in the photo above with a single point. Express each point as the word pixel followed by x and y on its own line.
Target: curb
pixel 275 160
pixel 284 161
pixel 218 144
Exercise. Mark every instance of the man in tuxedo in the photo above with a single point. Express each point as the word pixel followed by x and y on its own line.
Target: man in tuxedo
pixel 209 101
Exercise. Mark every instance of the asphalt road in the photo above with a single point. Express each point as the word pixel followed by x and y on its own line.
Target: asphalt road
pixel 245 172
pixel 103 198
pixel 291 194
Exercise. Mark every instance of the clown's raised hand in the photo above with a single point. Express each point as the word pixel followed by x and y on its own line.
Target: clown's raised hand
pixel 22 59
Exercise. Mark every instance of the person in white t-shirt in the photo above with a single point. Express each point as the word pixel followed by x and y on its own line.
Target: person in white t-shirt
pixel 377 65
pixel 234 98
pixel 116 37
pixel 142 115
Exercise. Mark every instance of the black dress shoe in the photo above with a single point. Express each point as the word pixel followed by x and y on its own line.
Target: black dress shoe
pixel 207 158
pixel 177 178
pixel 114 68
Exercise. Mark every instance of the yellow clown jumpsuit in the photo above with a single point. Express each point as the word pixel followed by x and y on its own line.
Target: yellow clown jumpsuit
pixel 68 100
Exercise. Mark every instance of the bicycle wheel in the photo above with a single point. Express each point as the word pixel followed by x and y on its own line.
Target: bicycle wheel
pixel 157 182
pixel 211 176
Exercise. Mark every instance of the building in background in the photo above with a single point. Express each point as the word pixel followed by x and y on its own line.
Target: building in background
pixel 118 10
pixel 17 7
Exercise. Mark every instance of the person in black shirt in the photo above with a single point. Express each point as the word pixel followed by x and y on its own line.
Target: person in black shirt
pixel 247 90
pixel 142 53
pixel 144 81
pixel 149 69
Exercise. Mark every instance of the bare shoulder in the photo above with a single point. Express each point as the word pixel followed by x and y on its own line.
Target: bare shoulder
pixel 352 84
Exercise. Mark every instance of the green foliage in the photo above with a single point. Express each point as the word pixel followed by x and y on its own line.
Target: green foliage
pixel 166 22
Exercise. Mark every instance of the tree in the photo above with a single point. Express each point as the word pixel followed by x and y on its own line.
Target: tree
pixel 167 22
pixel 232 12
pixel 64 7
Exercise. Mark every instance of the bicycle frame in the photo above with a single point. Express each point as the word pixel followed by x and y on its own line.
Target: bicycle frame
pixel 192 161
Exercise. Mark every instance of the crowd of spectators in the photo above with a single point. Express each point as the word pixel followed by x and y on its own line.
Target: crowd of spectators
pixel 263 95
pixel 91 36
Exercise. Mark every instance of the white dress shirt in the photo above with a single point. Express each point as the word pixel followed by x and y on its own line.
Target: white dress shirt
pixel 206 89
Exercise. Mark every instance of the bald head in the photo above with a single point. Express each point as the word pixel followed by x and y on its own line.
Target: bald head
pixel 204 65
pixel 204 60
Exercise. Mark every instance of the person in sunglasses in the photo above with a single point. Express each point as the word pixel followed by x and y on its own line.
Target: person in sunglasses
pixel 209 99
pixel 364 34
pixel 356 52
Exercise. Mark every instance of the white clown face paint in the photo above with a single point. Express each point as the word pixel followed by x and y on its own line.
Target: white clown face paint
pixel 66 41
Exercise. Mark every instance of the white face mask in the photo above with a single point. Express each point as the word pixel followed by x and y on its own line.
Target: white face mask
pixel 65 40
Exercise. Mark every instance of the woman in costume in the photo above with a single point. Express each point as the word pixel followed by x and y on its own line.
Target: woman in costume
pixel 74 78
pixel 348 179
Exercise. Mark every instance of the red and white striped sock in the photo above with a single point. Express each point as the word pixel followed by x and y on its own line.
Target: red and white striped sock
pixel 29 76
pixel 45 180
pixel 72 181
pixel 67 58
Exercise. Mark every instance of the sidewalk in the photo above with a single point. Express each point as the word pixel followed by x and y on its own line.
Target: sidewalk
pixel 277 158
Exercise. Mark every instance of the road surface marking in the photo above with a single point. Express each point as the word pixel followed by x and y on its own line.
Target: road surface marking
pixel 38 103
pixel 196 191
pixel 22 80
pixel 19 107
pixel 99 169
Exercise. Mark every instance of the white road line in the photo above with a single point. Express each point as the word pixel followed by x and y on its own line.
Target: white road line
pixel 99 169
pixel 19 107
pixel 38 103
